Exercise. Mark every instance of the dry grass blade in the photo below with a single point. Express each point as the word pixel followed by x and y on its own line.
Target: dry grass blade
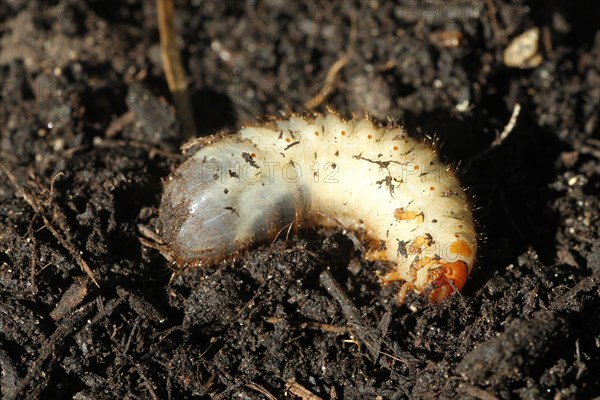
pixel 171 60
pixel 330 78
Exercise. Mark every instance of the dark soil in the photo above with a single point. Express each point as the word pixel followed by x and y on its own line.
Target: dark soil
pixel 88 133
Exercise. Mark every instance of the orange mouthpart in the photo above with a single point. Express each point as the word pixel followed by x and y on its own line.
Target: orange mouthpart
pixel 448 278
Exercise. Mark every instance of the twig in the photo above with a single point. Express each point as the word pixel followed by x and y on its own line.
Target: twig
pixel 478 393
pixel 296 389
pixel 140 368
pixel 371 337
pixel 38 209
pixel 547 38
pixel 508 128
pixel 171 60
pixel 148 384
pixel 133 329
pixel 261 390
pixel 119 123
pixel 34 254
pixel 350 311
pixel 337 66
pixel 581 367
pixel 491 7
pixel 60 219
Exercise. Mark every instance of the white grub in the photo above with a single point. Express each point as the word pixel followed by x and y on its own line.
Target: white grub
pixel 390 190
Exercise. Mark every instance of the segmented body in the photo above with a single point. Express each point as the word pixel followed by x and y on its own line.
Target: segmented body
pixel 390 190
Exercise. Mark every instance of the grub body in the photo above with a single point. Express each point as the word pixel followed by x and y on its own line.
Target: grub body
pixel 390 190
